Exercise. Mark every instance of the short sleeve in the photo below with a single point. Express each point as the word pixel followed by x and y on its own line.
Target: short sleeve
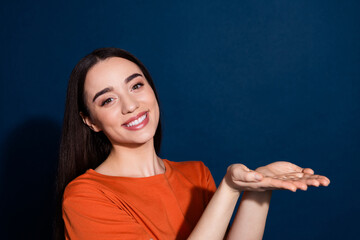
pixel 89 214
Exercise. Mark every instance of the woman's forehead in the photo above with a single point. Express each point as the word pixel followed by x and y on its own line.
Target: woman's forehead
pixel 113 65
pixel 110 70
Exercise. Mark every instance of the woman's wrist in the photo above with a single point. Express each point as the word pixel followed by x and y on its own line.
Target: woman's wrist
pixel 259 196
pixel 229 188
pixel 229 184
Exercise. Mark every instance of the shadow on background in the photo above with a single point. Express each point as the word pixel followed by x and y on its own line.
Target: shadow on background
pixel 28 180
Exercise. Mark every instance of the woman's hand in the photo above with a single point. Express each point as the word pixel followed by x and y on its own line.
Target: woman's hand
pixel 277 175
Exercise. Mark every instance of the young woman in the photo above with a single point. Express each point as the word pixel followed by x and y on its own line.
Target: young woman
pixel 113 185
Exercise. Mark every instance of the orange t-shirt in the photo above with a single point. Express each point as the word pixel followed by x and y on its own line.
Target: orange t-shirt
pixel 164 206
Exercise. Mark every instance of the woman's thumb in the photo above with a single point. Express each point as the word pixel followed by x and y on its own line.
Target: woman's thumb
pixel 242 173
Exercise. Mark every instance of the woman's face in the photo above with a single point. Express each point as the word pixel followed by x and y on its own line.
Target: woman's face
pixel 121 102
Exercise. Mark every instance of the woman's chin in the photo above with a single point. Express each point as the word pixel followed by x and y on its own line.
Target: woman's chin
pixel 134 143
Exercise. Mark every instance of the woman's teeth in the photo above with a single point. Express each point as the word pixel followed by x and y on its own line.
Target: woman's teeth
pixel 137 121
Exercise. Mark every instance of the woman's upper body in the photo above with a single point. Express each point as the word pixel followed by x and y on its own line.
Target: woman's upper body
pixel 112 124
pixel 163 206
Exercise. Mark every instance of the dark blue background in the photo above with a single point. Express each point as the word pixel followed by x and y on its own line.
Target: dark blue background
pixel 239 81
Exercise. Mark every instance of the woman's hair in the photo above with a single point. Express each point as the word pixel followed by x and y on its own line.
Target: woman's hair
pixel 80 147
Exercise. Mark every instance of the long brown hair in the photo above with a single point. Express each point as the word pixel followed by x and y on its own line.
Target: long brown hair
pixel 80 147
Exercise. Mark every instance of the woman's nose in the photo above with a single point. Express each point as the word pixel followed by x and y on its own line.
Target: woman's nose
pixel 129 104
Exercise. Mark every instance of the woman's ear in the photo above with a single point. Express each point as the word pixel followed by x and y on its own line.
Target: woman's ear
pixel 89 122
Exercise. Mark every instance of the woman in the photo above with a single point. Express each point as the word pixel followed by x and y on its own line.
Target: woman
pixel 118 188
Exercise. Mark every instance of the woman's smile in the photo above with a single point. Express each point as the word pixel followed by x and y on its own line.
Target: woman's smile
pixel 138 122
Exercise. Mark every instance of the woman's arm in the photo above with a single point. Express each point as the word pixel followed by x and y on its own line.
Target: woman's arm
pixel 215 219
pixel 250 220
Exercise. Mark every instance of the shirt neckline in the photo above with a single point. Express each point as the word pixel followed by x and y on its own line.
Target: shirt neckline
pixel 166 173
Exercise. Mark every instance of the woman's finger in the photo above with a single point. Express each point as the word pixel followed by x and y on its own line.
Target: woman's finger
pixel 252 177
pixel 324 181
pixel 308 171
pixel 305 181
pixel 277 184
pixel 240 172
pixel 266 184
pixel 313 182
pixel 300 184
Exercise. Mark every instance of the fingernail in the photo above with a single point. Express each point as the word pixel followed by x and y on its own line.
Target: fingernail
pixel 258 177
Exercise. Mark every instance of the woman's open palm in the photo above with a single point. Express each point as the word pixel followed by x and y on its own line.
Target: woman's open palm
pixel 277 175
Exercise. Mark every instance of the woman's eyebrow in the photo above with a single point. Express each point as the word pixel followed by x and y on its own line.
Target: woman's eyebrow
pixel 132 76
pixel 105 90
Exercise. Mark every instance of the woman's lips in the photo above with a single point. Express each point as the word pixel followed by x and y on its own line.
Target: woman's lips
pixel 138 122
pixel 134 118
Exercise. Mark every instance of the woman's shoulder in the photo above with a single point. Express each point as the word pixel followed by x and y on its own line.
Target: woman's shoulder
pixel 191 169
pixel 187 165
pixel 194 172
pixel 83 185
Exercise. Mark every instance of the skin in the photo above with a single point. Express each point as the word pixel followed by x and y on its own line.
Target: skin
pixel 250 219
pixel 113 108
pixel 133 154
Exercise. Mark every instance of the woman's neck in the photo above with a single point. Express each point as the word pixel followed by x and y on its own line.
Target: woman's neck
pixel 132 161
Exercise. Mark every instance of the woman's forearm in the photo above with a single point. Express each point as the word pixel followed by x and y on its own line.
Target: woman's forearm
pixel 250 219
pixel 216 217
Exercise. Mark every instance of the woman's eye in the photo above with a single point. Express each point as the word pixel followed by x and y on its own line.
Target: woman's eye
pixel 138 85
pixel 109 100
